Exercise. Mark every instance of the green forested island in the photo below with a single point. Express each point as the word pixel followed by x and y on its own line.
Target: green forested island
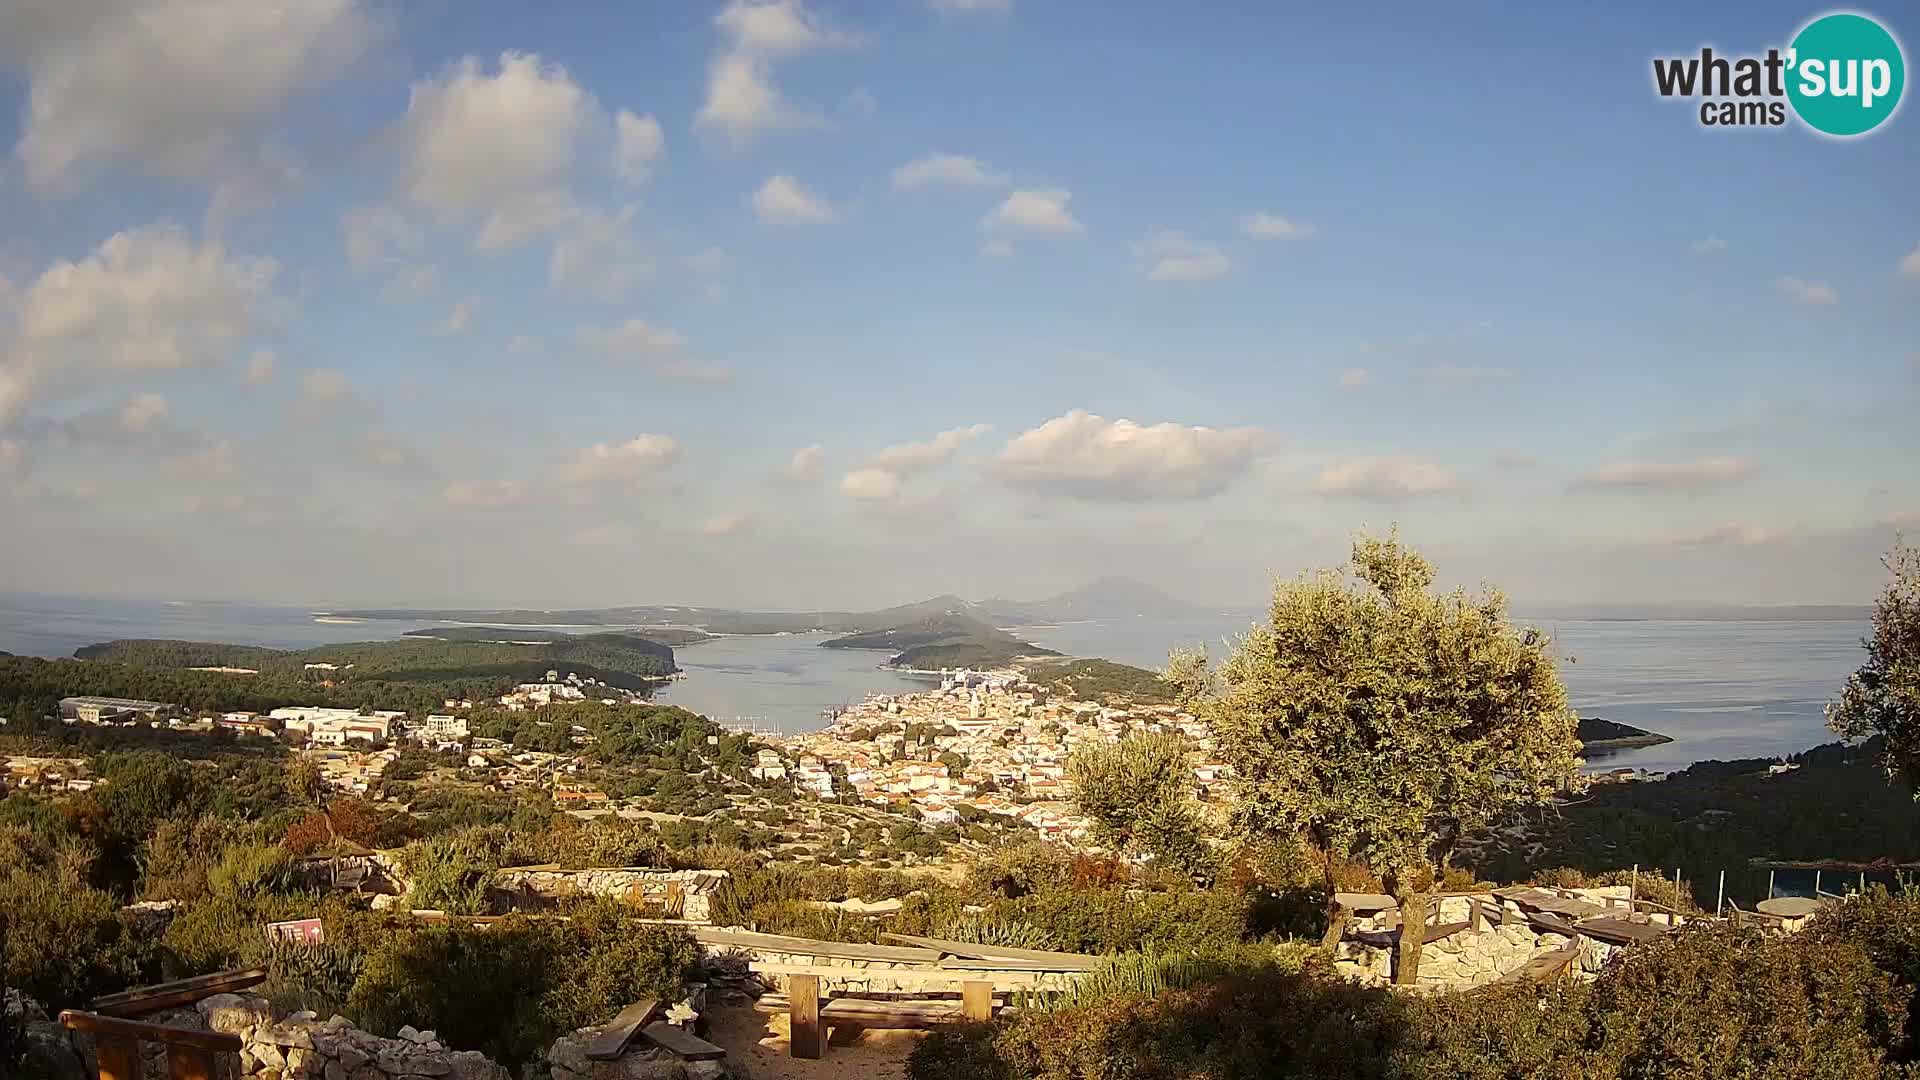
pixel 949 639
pixel 523 635
pixel 1097 680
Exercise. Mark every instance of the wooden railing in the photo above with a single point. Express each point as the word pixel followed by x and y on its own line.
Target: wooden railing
pixel 190 1053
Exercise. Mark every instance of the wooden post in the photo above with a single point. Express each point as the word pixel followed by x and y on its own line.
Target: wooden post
pixel 1720 902
pixel 976 1001
pixel 1476 919
pixel 1816 884
pixel 189 1063
pixel 1770 884
pixel 803 1035
pixel 119 1057
pixel 1633 890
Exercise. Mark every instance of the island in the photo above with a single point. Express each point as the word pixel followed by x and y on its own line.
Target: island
pixel 1601 737
pixel 947 640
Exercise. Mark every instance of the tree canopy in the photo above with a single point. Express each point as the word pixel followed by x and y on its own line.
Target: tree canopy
pixel 1382 720
pixel 1883 696
pixel 1139 793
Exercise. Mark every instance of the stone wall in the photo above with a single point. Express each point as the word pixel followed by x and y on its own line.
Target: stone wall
pixel 305 1047
pixel 691 890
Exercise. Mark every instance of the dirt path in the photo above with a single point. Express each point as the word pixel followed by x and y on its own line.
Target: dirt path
pixel 760 1040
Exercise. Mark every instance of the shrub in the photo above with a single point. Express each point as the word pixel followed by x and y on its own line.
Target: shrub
pixel 1119 920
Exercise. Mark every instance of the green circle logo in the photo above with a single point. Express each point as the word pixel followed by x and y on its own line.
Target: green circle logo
pixel 1845 74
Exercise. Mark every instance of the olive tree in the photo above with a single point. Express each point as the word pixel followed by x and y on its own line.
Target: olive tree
pixel 1883 696
pixel 1385 722
pixel 1139 793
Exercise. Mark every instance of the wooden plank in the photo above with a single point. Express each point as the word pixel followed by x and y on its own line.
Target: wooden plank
pixel 916 976
pixel 683 1044
pixel 189 1063
pixel 968 963
pixel 1545 967
pixel 803 1024
pixel 119 1057
pixel 615 1037
pixel 151 999
pixel 1067 961
pixel 114 1026
pixel 842 950
pixel 908 1015
pixel 1365 903
pixel 1620 931
pixel 976 1001
pixel 1391 935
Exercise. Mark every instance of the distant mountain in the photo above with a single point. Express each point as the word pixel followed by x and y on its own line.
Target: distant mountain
pixel 1103 598
pixel 947 639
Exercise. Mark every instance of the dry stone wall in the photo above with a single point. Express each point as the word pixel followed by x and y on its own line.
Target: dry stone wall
pixel 692 890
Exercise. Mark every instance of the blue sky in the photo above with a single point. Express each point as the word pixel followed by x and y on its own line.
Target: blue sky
pixel 844 304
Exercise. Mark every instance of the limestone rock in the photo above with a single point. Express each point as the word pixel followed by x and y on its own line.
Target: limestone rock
pixel 234 1014
pixel 51 1054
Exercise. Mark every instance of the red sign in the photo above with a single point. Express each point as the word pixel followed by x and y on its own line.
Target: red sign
pixel 307 931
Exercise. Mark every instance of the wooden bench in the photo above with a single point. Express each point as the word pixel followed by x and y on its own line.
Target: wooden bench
pixel 190 1052
pixel 807 1018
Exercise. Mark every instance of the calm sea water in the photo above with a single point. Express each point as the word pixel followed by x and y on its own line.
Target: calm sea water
pixel 1720 689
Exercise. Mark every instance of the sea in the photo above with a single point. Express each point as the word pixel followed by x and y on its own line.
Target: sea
pixel 1719 689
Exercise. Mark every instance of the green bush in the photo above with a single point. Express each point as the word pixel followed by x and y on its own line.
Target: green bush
pixel 1118 919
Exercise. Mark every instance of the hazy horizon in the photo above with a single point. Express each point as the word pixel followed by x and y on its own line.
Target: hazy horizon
pixel 819 304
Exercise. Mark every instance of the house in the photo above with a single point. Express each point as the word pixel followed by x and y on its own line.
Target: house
pixel 103 710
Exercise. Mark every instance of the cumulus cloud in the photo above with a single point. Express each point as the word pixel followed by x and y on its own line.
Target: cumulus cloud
pixel 805 463
pixel 217 461
pixel 870 485
pixel 485 495
pixel 655 348
pixel 642 458
pixel 742 101
pixel 1386 477
pixel 913 458
pixel 1731 534
pixel 1910 266
pixel 479 138
pixel 1354 378
pixel 1668 475
pixel 1037 210
pixel 1807 292
pixel 461 316
pixel 1270 226
pixel 180 90
pixel 378 234
pixel 1169 255
pixel 638 145
pixel 782 200
pixel 940 169
pixel 148 299
pixel 1087 455
pixel 1707 246
pixel 141 413
pixel 727 524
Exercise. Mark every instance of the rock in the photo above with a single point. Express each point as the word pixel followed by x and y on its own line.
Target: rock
pixel 395 1063
pixel 408 1032
pixel 271 1058
pixel 634 1067
pixel 571 1055
pixel 707 1070
pixel 351 1056
pixel 234 1014
pixel 51 1054
pixel 336 1071
pixel 426 1036
pixel 473 1065
pixel 366 1072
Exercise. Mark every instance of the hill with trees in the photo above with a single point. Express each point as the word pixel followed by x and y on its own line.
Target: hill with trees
pixel 946 640
pixel 1099 680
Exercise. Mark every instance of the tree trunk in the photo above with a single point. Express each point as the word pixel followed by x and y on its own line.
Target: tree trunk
pixel 1413 933
pixel 1336 924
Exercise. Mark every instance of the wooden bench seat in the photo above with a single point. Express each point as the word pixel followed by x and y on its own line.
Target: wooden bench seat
pixel 914 1015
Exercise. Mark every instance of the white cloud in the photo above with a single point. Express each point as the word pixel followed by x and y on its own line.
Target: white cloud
pixel 1271 226
pixel 742 101
pixel 870 485
pixel 461 316
pixel 478 139
pixel 148 299
pixel 216 462
pixel 805 463
pixel 635 339
pixel 141 413
pixel 1707 246
pixel 727 524
pixel 997 248
pixel 1910 266
pixel 642 458
pixel 1807 292
pixel 971 7
pixel 1038 210
pixel 1087 455
pixel 782 200
pixel 261 366
pixel 598 253
pixel 1169 255
pixel 1668 475
pixel 485 495
pixel 911 459
pixel 16 389
pixel 1387 477
pixel 1732 534
pixel 324 386
pixel 175 89
pixel 638 145
pixel 377 234
pixel 940 169
pixel 1354 378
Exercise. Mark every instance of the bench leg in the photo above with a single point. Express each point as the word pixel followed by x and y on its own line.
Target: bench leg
pixel 803 1035
pixel 119 1057
pixel 976 1001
